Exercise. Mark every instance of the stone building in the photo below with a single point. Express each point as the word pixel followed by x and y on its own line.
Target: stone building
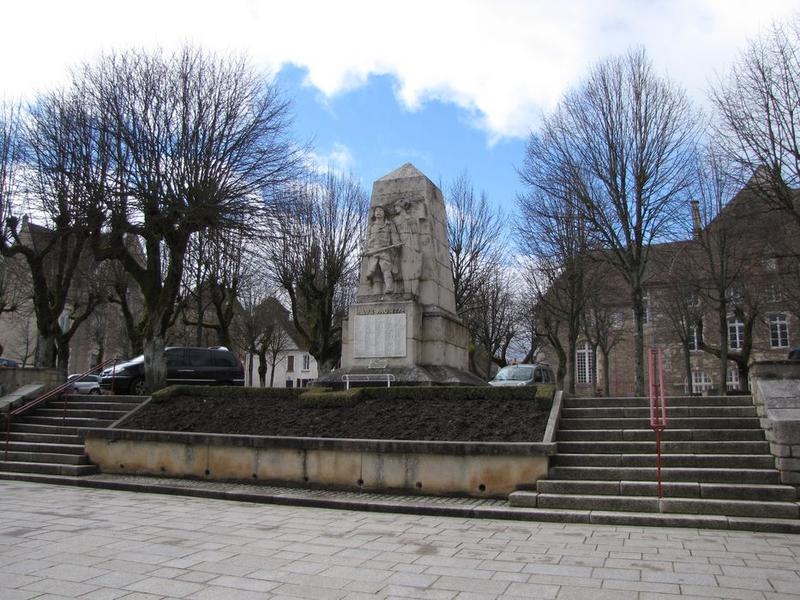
pixel 759 246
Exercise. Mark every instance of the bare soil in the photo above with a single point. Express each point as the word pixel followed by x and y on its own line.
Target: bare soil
pixel 479 420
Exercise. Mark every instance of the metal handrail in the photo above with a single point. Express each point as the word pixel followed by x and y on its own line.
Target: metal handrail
pixel 46 396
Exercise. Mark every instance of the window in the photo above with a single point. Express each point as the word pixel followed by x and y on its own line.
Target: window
pixel 732 381
pixel 694 339
pixel 584 363
pixel 775 293
pixel 778 331
pixel 290 364
pixel 289 383
pixel 306 362
pixel 735 333
pixel 198 358
pixel 701 382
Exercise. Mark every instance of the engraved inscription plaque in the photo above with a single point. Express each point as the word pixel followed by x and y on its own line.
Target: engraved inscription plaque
pixel 380 336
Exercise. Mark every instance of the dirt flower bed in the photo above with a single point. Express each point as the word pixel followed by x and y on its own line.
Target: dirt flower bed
pixel 358 414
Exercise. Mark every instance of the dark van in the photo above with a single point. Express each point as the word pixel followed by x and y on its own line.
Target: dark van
pixel 194 366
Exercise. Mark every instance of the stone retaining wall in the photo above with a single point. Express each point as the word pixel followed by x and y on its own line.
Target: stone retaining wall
pixel 490 470
pixel 776 394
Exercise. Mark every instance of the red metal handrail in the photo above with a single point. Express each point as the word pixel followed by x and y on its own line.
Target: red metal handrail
pixel 658 405
pixel 46 396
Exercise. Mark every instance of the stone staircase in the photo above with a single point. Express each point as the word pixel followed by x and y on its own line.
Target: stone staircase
pixel 44 444
pixel 715 461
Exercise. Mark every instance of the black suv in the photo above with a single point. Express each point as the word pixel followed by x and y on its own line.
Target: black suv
pixel 198 366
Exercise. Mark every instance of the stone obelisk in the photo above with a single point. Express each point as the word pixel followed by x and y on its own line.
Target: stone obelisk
pixel 404 319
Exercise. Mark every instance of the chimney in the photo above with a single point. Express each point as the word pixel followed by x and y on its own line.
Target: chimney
pixel 697 224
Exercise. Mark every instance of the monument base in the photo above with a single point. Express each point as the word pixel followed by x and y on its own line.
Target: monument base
pixel 423 375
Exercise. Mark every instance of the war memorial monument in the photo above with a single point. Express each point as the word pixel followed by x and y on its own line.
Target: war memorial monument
pixel 404 320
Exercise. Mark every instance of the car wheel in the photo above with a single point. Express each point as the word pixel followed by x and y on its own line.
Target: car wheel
pixel 94 391
pixel 138 387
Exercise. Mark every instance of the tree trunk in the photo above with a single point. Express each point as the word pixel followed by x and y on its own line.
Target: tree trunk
pixel 638 342
pixel 155 362
pixel 45 351
pixel 250 368
pixel 723 349
pixel 687 366
pixel 606 375
pixel 62 358
pixel 571 367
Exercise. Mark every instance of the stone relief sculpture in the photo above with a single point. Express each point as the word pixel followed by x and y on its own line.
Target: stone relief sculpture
pixel 411 220
pixel 383 252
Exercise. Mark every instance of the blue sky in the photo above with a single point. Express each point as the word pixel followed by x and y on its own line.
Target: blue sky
pixel 449 85
pixel 366 132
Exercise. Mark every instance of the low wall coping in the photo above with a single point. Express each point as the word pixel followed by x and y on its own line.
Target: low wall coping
pixel 317 443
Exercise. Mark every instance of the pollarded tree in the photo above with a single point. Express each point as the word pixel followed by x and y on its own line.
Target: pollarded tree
pixel 623 143
pixel 202 143
pixel 313 256
pixel 66 153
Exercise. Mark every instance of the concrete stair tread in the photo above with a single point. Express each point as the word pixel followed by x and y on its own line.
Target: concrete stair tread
pixel 671 489
pixel 667 447
pixel 49 468
pixel 44 457
pixel 643 412
pixel 56 448
pixel 736 400
pixel 721 461
pixel 671 434
pixel 728 507
pixel 707 475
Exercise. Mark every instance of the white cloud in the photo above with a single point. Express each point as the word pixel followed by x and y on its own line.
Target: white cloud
pixel 504 61
pixel 339 159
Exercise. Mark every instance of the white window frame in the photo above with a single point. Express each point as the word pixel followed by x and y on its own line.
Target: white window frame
pixel 701 382
pixel 694 339
pixel 733 383
pixel 778 330
pixel 735 333
pixel 306 362
pixel 584 363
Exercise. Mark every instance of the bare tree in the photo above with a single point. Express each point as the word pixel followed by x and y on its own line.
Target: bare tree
pixel 475 236
pixel 623 145
pixel 490 319
pixel 603 325
pixel 758 108
pixel 10 162
pixel 65 155
pixel 314 257
pixel 201 141
pixel 551 233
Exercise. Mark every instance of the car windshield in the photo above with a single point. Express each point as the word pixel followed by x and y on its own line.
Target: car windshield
pixel 514 374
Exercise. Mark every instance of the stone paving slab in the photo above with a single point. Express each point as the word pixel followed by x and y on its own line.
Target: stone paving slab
pixel 73 542
pixel 409 504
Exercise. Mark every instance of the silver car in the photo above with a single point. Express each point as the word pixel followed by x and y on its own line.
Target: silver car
pixel 88 384
pixel 518 375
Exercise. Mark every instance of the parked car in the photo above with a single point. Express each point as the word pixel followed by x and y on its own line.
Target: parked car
pixel 518 375
pixel 794 354
pixel 88 384
pixel 8 362
pixel 196 366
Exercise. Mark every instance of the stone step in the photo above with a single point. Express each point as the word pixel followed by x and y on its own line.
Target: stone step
pixel 73 413
pixel 35 428
pixel 677 423
pixel 23 446
pixel 670 401
pixel 68 422
pixel 670 434
pixel 45 438
pixel 107 398
pixel 718 491
pixel 705 461
pixel 123 407
pixel 673 412
pixel 689 447
pixel 695 506
pixel 46 457
pixel 692 474
pixel 48 468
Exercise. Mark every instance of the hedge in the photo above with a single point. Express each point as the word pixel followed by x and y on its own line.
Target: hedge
pixel 542 395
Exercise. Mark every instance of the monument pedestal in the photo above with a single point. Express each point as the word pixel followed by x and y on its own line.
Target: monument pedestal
pixel 403 321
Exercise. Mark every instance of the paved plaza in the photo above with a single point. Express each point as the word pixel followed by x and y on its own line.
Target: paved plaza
pixel 66 542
